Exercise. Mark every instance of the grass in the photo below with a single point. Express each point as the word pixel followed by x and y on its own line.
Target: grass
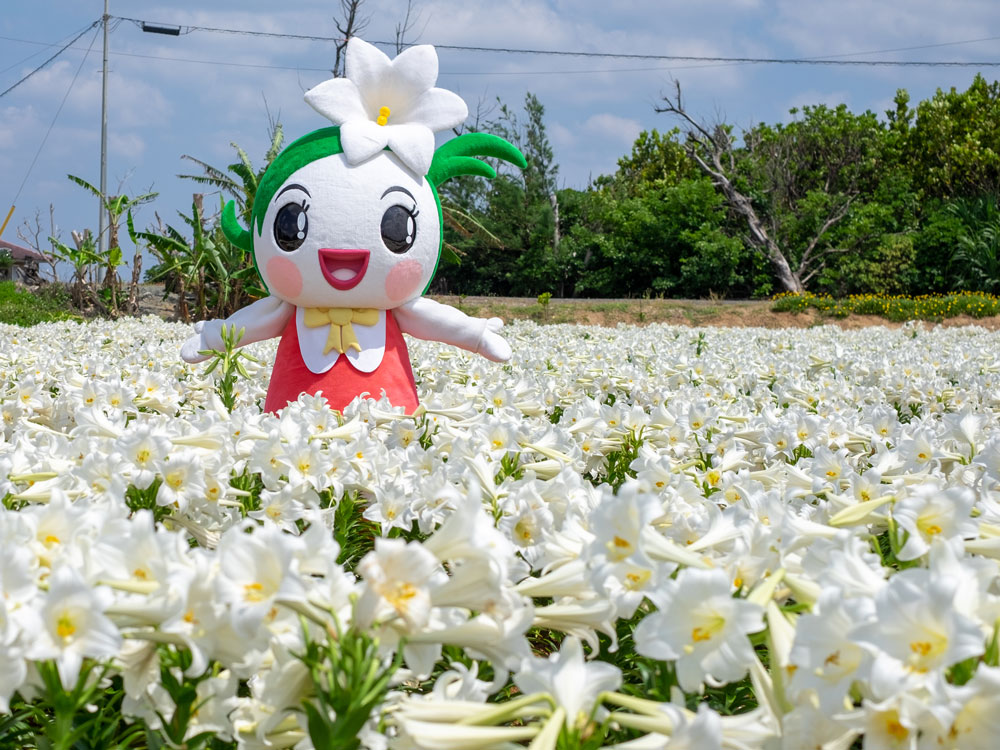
pixel 23 308
pixel 897 308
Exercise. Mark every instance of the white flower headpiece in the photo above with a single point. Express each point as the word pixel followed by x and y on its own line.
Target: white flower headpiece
pixel 383 102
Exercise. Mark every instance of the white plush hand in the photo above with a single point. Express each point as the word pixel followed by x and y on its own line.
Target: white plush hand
pixel 191 348
pixel 492 345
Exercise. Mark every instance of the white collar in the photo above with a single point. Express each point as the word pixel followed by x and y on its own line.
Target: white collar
pixel 312 341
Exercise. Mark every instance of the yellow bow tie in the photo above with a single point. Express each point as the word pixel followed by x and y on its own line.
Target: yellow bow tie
pixel 339 319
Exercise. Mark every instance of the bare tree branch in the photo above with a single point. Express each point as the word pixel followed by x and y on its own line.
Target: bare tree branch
pixel 351 23
pixel 708 147
pixel 807 256
pixel 404 28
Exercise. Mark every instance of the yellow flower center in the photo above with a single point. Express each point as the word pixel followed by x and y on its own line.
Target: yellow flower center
pixel 707 630
pixel 400 594
pixel 253 592
pixel 927 526
pixel 65 627
pixel 896 730
pixel 634 581
pixel 383 115
pixel 922 653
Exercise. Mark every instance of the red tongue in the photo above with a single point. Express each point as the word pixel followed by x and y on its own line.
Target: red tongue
pixel 343 269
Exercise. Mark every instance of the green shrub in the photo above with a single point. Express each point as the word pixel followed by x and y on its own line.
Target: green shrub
pixel 24 308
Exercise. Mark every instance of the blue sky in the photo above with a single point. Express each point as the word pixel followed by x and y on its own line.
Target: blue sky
pixel 163 105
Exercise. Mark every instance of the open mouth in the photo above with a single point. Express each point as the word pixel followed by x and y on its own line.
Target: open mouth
pixel 343 269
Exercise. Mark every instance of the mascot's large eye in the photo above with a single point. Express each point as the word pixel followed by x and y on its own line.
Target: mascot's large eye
pixel 291 226
pixel 399 228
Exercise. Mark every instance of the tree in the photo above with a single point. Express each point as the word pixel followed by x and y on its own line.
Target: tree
pixel 656 157
pixel 790 184
pixel 527 198
pixel 667 239
pixel 951 142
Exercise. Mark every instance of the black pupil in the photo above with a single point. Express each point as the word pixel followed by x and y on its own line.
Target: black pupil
pixel 291 227
pixel 399 230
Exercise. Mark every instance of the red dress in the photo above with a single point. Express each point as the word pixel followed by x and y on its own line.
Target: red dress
pixel 341 383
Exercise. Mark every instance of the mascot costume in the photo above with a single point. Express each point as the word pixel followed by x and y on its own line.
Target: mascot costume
pixel 346 234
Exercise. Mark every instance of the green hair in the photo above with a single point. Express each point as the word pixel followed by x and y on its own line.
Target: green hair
pixel 455 157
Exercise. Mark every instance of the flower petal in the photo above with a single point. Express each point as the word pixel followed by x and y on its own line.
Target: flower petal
pixel 362 139
pixel 439 109
pixel 337 99
pixel 413 144
pixel 416 69
pixel 370 69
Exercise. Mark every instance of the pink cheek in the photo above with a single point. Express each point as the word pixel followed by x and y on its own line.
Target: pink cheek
pixel 284 278
pixel 403 280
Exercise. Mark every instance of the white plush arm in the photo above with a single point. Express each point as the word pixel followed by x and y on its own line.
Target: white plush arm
pixel 264 319
pixel 427 319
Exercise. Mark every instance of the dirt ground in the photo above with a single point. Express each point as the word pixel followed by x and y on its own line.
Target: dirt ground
pixel 611 312
pixel 694 313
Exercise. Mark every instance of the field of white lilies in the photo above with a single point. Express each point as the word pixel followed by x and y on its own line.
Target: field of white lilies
pixel 644 538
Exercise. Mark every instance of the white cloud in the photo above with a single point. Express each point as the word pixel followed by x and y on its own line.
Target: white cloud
pixel 129 146
pixel 814 27
pixel 620 131
pixel 562 137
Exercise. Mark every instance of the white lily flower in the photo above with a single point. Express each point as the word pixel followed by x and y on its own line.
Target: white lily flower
pixel 73 625
pixel 13 668
pixel 976 725
pixel 917 632
pixel 823 659
pixel 701 626
pixel 575 684
pixel 383 102
pixel 255 572
pixel 398 578
pixel 931 514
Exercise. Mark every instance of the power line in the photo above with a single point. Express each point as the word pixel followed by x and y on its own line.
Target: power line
pixel 59 52
pixel 225 63
pixel 41 44
pixel 56 117
pixel 707 61
pixel 827 60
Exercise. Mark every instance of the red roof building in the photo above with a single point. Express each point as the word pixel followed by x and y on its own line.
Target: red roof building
pixel 25 266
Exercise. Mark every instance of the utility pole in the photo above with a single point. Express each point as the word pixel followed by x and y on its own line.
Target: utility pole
pixel 102 223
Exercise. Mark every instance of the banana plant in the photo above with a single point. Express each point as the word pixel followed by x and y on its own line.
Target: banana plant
pixel 82 258
pixel 208 265
pixel 116 206
pixel 239 180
